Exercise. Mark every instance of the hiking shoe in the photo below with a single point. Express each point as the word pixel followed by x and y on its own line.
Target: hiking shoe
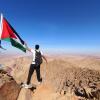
pixel 27 86
pixel 39 83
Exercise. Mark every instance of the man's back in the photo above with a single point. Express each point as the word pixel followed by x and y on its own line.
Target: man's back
pixel 37 56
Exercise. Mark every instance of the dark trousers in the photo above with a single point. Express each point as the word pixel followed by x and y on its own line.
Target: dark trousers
pixel 31 70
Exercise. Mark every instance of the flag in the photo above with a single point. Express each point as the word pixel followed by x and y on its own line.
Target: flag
pixel 9 34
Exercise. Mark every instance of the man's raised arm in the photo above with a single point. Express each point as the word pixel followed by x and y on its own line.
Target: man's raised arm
pixel 27 47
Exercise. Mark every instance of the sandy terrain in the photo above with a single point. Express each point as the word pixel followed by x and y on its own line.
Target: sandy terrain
pixel 65 77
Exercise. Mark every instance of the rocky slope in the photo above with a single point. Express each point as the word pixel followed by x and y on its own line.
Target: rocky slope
pixel 64 78
pixel 9 89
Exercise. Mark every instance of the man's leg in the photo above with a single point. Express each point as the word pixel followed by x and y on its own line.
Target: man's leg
pixel 31 70
pixel 38 74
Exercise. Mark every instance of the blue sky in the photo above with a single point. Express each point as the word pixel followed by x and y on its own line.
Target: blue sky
pixel 57 25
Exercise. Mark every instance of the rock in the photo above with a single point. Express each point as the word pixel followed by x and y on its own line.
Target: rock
pixel 9 91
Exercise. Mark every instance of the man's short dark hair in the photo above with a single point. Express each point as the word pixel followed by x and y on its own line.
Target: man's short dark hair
pixel 36 46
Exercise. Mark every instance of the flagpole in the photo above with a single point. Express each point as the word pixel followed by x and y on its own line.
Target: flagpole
pixel 0 28
pixel 1 25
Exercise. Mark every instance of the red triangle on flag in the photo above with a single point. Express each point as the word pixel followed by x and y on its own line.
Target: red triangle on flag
pixel 7 32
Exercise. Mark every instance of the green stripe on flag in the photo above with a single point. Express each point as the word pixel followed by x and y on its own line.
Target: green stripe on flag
pixel 17 45
pixel 6 39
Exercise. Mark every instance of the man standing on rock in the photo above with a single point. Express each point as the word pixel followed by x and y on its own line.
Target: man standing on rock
pixel 35 65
